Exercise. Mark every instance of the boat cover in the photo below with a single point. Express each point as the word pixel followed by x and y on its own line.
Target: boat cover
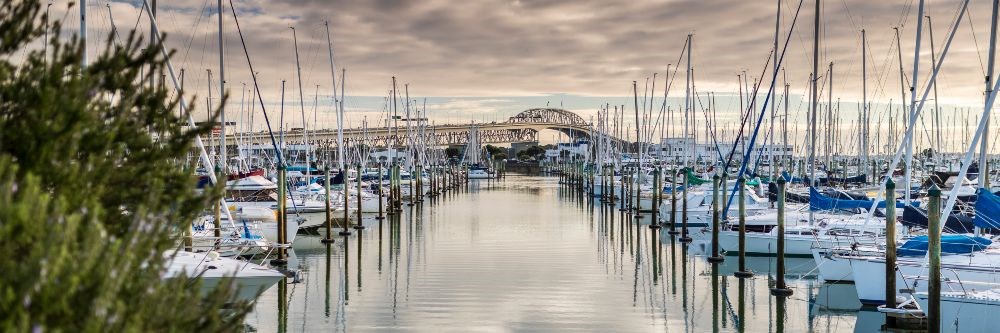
pixel 950 244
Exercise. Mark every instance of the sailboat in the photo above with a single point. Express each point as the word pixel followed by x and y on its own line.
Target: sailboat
pixel 473 154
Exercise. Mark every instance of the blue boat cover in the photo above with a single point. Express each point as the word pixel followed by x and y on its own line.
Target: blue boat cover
pixel 820 202
pixel 987 210
pixel 950 244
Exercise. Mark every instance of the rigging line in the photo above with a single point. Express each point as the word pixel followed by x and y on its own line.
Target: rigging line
pixel 767 98
pixel 756 91
pixel 975 41
pixel 951 23
pixel 253 75
pixel 187 46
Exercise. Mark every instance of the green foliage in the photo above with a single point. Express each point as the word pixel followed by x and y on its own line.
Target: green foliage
pixel 452 152
pixel 93 189
pixel 533 152
pixel 498 153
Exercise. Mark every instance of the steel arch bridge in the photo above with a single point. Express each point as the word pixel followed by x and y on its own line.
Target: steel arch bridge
pixel 523 127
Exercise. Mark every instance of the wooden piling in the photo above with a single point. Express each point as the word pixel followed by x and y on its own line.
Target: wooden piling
pixel 638 192
pixel 685 238
pixel 780 289
pixel 358 225
pixel 381 194
pixel 328 225
pixel 657 193
pixel 933 312
pixel 890 250
pixel 743 272
pixel 673 201
pixel 282 201
pixel 345 231
pixel 715 258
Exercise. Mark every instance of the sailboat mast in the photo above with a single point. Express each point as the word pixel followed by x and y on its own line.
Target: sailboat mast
pixel 784 123
pixel 302 108
pixel 152 41
pixel 211 140
pixel 829 122
pixel 864 104
pixel 340 122
pixel 395 124
pixel 774 94
pixel 333 69
pixel 222 92
pixel 902 92
pixel 937 110
pixel 638 140
pixel 913 102
pixel 689 146
pixel 815 105
pixel 83 33
pixel 984 174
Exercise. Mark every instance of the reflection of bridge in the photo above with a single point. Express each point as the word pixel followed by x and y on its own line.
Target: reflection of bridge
pixel 523 127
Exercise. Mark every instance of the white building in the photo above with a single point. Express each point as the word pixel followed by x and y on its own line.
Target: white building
pixel 576 150
pixel 679 148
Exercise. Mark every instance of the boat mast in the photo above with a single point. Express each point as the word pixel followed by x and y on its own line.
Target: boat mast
pixel 333 68
pixel 152 41
pixel 784 122
pixel 913 102
pixel 902 93
pixel 83 33
pixel 937 110
pixel 638 139
pixel 222 92
pixel 774 94
pixel 689 146
pixel 829 124
pixel 864 105
pixel 302 108
pixel 340 124
pixel 395 124
pixel 815 109
pixel 984 174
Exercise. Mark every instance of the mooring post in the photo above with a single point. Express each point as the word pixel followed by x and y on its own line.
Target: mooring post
pixel 780 289
pixel 358 225
pixel 638 192
pixel 890 250
pixel 329 219
pixel 934 256
pixel 413 185
pixel 715 258
pixel 381 194
pixel 611 189
pixel 624 199
pixel 657 194
pixel 685 238
pixel 420 183
pixel 282 201
pixel 673 201
pixel 345 231
pixel 742 272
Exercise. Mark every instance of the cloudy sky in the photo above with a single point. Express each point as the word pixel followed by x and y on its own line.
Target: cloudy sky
pixel 486 60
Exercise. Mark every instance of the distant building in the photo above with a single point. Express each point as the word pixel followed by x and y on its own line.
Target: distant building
pixel 679 148
pixel 392 155
pixel 568 151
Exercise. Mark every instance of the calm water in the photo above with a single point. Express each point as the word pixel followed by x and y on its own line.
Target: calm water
pixel 527 254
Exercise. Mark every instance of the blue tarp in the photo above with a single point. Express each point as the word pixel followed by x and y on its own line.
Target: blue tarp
pixel 950 244
pixel 821 202
pixel 987 210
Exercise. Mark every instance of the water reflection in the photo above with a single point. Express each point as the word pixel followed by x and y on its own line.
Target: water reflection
pixel 527 253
